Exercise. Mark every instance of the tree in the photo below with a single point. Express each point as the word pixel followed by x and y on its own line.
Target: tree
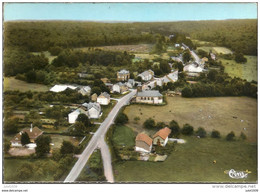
pixel 11 125
pixel 67 147
pixel 212 75
pixel 165 67
pixel 160 125
pixel 186 56
pixel 121 119
pixel 179 66
pixel 149 124
pixel 215 134
pixel 186 92
pixel 230 136
pixel 96 90
pixel 55 51
pixel 30 76
pixel 25 139
pixel 174 126
pixel 43 145
pixel 239 58
pixel 84 119
pixel 6 145
pixel 201 132
pixel 79 128
pixel 242 136
pixel 187 129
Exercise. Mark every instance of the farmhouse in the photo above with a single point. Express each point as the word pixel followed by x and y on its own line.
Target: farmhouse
pixel 150 97
pixel 123 75
pixel 103 98
pixel 84 90
pixel 93 109
pixel 143 143
pixel 146 75
pixel 33 134
pixel 161 136
pixel 74 115
pixel 60 88
pixel 119 88
pixel 193 68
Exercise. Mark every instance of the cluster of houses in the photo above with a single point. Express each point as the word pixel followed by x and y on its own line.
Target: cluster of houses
pixel 144 143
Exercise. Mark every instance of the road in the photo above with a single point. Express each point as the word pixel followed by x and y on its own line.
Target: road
pixel 107 161
pixel 95 140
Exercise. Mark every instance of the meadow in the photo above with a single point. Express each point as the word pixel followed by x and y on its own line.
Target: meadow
pixel 246 71
pixel 224 114
pixel 216 50
pixel 12 84
pixel 193 162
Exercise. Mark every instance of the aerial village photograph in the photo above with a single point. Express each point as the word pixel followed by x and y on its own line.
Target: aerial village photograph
pixel 129 93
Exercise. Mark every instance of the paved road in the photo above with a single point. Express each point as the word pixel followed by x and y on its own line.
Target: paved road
pixel 107 161
pixel 100 134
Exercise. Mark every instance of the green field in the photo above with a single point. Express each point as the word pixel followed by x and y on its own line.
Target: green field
pixel 11 84
pixel 193 162
pixel 46 173
pixel 220 113
pixel 216 50
pixel 47 54
pixel 124 136
pixel 246 71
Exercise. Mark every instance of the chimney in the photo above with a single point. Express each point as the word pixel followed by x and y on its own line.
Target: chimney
pixel 31 128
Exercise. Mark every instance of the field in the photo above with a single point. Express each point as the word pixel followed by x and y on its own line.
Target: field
pixel 140 48
pixel 124 136
pixel 224 114
pixel 58 139
pixel 246 71
pixel 11 84
pixel 151 56
pixel 216 50
pixel 11 167
pixel 193 162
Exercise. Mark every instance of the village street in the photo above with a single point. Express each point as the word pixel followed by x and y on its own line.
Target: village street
pixel 98 140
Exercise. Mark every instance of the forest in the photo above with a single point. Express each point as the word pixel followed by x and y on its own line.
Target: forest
pixel 238 35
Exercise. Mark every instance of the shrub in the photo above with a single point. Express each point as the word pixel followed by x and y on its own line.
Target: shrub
pixel 201 132
pixel 67 147
pixel 187 129
pixel 121 119
pixel 230 136
pixel 215 134
pixel 174 126
pixel 149 124
pixel 242 136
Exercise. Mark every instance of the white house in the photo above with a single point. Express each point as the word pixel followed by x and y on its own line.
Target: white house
pixel 60 88
pixel 149 97
pixel 130 83
pixel 143 143
pixel 85 90
pixel 147 75
pixel 161 136
pixel 103 98
pixel 193 68
pixel 93 109
pixel 119 88
pixel 74 115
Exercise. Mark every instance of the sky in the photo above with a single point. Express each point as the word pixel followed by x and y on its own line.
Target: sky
pixel 143 12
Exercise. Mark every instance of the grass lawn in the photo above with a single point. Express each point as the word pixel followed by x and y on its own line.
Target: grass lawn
pixel 211 113
pixel 58 139
pixel 10 83
pixel 246 71
pixel 193 162
pixel 48 166
pixel 124 135
pixel 93 170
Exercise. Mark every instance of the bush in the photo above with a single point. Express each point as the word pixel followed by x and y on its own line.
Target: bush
pixel 187 129
pixel 161 125
pixel 230 136
pixel 174 126
pixel 121 119
pixel 242 136
pixel 149 124
pixel 67 147
pixel 201 132
pixel 215 134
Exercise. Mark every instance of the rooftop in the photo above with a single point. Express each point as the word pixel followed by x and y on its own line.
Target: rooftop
pixel 163 133
pixel 145 138
pixel 150 93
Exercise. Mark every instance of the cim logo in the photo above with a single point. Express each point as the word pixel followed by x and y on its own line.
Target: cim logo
pixel 238 174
